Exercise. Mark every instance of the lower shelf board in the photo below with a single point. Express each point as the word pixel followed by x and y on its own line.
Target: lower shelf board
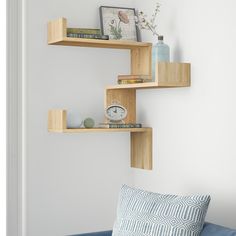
pixel 97 129
pixel 140 138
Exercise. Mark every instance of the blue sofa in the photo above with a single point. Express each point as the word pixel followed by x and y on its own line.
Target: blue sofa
pixel 209 229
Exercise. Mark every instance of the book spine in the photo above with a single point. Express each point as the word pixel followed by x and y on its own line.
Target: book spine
pixel 83 31
pixel 132 81
pixel 131 77
pixel 88 36
pixel 125 125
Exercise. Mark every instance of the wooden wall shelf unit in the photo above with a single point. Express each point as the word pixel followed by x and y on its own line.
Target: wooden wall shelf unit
pixel 169 75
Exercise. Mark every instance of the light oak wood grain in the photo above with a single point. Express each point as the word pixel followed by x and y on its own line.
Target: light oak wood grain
pixel 100 130
pixel 127 98
pixel 57 30
pixel 141 149
pixel 57 120
pixel 98 43
pixel 173 74
pixel 169 75
pixel 141 61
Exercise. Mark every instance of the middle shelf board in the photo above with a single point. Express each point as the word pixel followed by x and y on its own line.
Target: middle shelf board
pixel 98 129
pixel 148 85
pixel 168 75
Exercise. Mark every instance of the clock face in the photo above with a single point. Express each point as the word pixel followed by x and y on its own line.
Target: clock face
pixel 116 113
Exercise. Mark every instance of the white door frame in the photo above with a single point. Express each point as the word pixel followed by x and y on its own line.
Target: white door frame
pixel 15 118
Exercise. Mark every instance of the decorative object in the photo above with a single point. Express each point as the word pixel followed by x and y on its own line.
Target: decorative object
pixel 146 213
pixel 160 51
pixel 74 119
pixel 116 113
pixel 89 123
pixel 118 23
pixel 144 24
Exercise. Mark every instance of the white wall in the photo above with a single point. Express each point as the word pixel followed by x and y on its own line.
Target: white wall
pixel 73 180
pixel 195 128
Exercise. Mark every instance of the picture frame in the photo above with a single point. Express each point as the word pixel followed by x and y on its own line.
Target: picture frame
pixel 118 23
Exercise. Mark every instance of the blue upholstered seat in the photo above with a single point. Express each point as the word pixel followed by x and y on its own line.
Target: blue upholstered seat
pixel 103 233
pixel 217 230
pixel 208 230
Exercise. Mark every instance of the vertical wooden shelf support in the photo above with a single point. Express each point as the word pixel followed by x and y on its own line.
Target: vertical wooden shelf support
pixel 141 149
pixel 57 30
pixel 141 61
pixel 57 120
pixel 141 142
pixel 126 97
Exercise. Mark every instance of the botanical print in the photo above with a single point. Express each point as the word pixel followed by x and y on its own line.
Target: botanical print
pixel 118 23
pixel 115 28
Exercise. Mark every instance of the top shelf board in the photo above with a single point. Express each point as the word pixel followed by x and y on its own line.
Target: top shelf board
pixel 57 35
pixel 97 43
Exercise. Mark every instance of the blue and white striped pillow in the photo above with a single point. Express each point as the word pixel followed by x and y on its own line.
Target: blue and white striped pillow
pixel 142 213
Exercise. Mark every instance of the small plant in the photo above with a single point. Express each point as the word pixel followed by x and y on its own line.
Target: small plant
pixel 143 22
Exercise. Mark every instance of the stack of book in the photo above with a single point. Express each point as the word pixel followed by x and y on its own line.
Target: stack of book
pixel 86 33
pixel 133 79
pixel 120 125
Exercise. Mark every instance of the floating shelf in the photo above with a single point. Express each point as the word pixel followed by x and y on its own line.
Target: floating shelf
pixel 168 75
pixel 140 138
pixel 57 122
pixel 140 52
pixel 57 35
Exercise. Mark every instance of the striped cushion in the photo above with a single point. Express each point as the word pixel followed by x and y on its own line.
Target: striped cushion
pixel 142 213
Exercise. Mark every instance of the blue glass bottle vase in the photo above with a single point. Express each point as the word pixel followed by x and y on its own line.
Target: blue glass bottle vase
pixel 160 53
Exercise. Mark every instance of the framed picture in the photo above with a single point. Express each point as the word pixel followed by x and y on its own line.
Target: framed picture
pixel 118 23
